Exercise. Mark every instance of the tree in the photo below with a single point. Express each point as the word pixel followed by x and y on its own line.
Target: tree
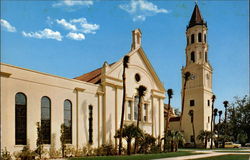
pixel 141 93
pixel 129 132
pixel 219 125
pixel 146 143
pixel 63 140
pixel 204 136
pixel 186 78
pixel 226 106
pixel 125 65
pixel 174 138
pixel 239 119
pixel 215 115
pixel 191 114
pixel 212 118
pixel 170 95
pixel 39 141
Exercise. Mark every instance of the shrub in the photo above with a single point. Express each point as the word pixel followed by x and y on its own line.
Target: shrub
pixel 25 154
pixel 106 150
pixel 5 155
pixel 146 143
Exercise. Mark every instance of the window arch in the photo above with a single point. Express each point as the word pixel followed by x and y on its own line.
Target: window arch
pixel 68 121
pixel 46 119
pixel 187 41
pixel 193 57
pixel 136 102
pixel 21 119
pixel 205 38
pixel 90 124
pixel 199 37
pixel 192 38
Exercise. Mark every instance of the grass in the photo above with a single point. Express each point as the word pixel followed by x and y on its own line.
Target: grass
pixel 235 151
pixel 139 156
pixel 227 157
pixel 222 149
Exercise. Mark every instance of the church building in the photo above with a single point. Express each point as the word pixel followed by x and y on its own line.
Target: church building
pixel 88 105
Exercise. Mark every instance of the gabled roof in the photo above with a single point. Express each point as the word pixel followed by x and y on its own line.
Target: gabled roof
pixel 147 63
pixel 93 76
pixel 196 18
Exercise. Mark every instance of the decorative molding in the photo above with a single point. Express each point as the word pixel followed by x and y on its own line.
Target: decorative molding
pixel 80 89
pixel 5 74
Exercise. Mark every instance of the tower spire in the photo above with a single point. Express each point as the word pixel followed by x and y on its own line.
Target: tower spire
pixel 196 18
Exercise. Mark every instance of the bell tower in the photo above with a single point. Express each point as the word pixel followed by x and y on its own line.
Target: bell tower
pixel 198 92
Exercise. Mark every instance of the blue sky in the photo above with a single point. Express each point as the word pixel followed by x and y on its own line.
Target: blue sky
pixel 69 38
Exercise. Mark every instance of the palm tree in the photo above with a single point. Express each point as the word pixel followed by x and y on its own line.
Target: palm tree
pixel 204 135
pixel 186 78
pixel 213 99
pixel 225 120
pixel 215 114
pixel 129 132
pixel 170 94
pixel 191 114
pixel 141 93
pixel 125 65
pixel 225 105
pixel 220 113
pixel 219 126
pixel 174 137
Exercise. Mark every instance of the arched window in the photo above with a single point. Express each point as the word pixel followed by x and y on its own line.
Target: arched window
pixel 90 124
pixel 192 38
pixel 136 102
pixel 205 38
pixel 187 41
pixel 193 57
pixel 199 37
pixel 68 121
pixel 21 119
pixel 45 119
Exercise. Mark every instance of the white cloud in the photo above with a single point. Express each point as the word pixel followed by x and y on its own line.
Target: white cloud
pixel 140 9
pixel 76 36
pixel 84 26
pixel 5 24
pixel 71 3
pixel 66 24
pixel 139 18
pixel 44 34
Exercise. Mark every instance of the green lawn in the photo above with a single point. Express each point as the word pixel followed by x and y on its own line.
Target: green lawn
pixel 139 157
pixel 227 157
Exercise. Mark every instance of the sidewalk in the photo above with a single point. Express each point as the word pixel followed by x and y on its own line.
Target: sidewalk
pixel 206 153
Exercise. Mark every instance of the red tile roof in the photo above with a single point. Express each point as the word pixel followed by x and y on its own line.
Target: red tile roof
pixel 93 76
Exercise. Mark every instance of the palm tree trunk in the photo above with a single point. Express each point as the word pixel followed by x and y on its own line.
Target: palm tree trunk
pixel 129 147
pixel 182 103
pixel 212 119
pixel 194 134
pixel 167 124
pixel 123 108
pixel 137 125
pixel 205 142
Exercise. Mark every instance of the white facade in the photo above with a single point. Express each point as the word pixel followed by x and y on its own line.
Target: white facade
pixel 105 97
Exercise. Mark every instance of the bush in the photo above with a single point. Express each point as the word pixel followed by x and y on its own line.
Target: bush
pixel 106 150
pixel 5 155
pixel 25 154
pixel 146 143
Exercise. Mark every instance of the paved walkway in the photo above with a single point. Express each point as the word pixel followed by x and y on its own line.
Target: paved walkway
pixel 207 153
